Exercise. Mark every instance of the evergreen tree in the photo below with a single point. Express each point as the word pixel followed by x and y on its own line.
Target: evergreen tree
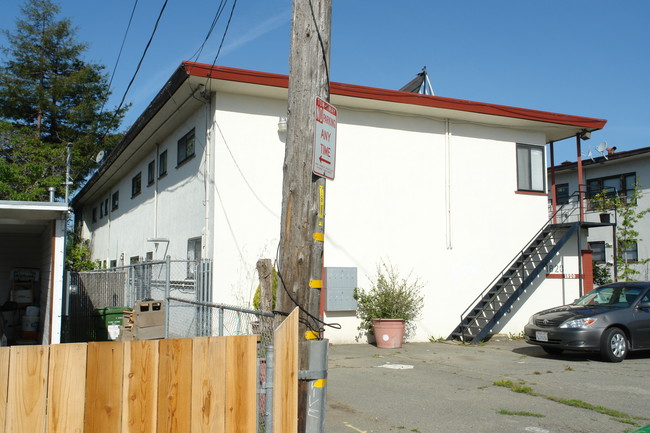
pixel 49 96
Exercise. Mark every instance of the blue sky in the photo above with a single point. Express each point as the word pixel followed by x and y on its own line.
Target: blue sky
pixel 581 57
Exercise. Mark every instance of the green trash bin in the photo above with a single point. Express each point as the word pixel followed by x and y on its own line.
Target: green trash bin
pixel 110 321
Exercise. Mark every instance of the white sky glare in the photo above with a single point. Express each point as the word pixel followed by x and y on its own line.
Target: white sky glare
pixel 581 57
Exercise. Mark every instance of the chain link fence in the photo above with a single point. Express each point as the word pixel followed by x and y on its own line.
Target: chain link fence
pixel 96 297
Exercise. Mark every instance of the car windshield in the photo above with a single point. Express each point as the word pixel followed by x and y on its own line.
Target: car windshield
pixel 610 297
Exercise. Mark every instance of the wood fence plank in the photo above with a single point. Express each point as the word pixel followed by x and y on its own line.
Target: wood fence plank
pixel 208 384
pixel 285 376
pixel 174 386
pixel 66 390
pixel 5 355
pixel 27 389
pixel 104 387
pixel 241 386
pixel 139 396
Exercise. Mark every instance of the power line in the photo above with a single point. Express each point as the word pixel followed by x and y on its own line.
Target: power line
pixel 217 15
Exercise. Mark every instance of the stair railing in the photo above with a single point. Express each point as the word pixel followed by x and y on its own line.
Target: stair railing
pixel 519 254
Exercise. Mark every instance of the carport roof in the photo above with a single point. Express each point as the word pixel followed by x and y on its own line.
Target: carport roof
pixel 28 216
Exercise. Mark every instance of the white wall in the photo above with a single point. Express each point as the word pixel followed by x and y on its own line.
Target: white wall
pixel 173 207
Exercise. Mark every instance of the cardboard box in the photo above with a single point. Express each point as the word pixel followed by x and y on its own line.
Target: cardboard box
pixel 22 296
pixel 149 332
pixel 149 313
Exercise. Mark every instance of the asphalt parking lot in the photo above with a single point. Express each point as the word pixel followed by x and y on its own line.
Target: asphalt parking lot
pixel 500 386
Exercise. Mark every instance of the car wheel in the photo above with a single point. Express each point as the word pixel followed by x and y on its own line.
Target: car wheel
pixel 552 350
pixel 613 346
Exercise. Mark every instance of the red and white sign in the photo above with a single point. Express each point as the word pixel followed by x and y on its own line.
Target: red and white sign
pixel 324 139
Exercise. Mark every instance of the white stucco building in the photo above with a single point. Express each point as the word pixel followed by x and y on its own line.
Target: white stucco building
pixel 448 190
pixel 617 173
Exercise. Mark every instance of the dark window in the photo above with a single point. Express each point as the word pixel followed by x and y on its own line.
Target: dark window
pixel 106 207
pixel 136 184
pixel 113 264
pixel 94 214
pixel 629 251
pixel 185 147
pixel 622 184
pixel 598 250
pixel 115 200
pixel 562 193
pixel 134 260
pixel 162 164
pixel 530 168
pixel 151 172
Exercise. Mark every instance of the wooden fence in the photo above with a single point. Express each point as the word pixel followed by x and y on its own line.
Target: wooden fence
pixel 198 385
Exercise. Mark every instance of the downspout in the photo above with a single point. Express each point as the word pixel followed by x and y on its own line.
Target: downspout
pixel 155 192
pixel 448 184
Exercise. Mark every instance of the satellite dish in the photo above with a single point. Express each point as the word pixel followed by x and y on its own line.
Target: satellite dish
pixel 602 149
pixel 100 157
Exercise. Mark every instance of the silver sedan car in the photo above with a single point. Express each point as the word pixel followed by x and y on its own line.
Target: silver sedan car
pixel 613 319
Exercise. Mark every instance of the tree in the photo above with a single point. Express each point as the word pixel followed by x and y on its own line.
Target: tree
pixel 49 97
pixel 627 216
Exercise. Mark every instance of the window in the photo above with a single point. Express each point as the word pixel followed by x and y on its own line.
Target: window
pixel 151 172
pixel 94 214
pixel 530 168
pixel 115 201
pixel 562 193
pixel 113 264
pixel 162 164
pixel 134 260
pixel 149 256
pixel 193 256
pixel 622 184
pixel 106 207
pixel 598 250
pixel 136 185
pixel 185 147
pixel 629 251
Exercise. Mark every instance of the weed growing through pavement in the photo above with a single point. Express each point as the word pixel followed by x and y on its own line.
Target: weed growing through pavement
pixel 615 414
pixel 520 413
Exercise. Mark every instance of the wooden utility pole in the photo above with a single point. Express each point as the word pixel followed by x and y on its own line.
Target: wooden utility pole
pixel 303 194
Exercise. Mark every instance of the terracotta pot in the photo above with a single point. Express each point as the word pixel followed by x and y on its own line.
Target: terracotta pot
pixel 389 333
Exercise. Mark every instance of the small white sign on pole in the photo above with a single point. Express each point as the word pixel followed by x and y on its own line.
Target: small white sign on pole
pixel 324 160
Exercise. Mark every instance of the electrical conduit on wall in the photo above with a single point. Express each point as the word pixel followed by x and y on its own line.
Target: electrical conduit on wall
pixel 448 184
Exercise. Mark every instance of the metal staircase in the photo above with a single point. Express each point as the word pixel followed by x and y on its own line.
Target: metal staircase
pixel 497 299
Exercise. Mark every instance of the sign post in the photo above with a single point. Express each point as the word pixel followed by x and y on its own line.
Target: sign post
pixel 323 163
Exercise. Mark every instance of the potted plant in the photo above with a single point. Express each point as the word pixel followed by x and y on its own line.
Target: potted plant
pixel 390 306
pixel 604 202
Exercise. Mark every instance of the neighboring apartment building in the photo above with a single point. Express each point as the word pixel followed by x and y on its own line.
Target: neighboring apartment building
pixel 617 173
pixel 448 190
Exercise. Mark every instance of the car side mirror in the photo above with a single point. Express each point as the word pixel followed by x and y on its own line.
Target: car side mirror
pixel 643 305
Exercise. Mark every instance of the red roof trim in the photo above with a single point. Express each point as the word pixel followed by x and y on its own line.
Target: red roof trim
pixel 277 80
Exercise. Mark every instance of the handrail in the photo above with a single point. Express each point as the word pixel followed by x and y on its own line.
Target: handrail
pixel 509 265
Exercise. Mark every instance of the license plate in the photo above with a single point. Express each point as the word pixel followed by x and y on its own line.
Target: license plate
pixel 541 336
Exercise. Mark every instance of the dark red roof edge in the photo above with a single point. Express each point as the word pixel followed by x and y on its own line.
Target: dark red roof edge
pixel 278 80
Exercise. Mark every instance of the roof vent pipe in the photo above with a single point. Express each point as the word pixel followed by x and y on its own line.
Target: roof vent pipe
pixel 51 189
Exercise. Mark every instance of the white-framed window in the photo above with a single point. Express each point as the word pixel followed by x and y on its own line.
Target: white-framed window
pixel 531 172
pixel 151 172
pixel 136 184
pixel 162 164
pixel 185 147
